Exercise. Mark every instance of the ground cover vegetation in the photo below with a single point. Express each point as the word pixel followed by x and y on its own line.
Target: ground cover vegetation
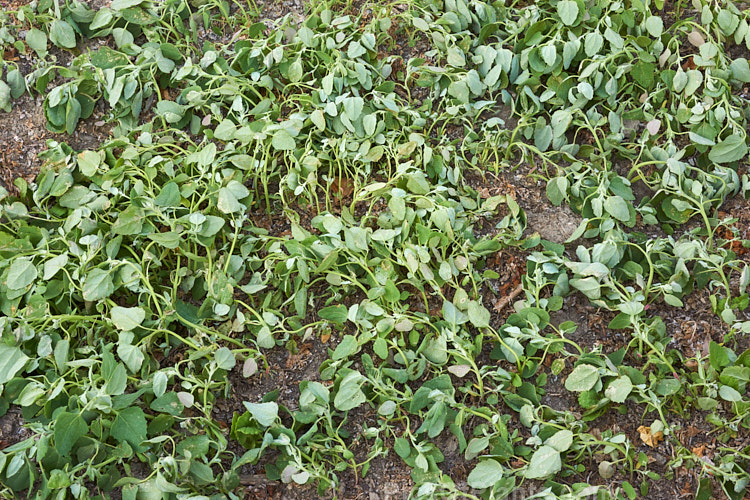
pixel 268 185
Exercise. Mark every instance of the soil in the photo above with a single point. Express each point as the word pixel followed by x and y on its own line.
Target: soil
pixel 23 134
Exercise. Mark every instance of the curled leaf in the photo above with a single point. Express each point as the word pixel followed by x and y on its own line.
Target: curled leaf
pixel 651 439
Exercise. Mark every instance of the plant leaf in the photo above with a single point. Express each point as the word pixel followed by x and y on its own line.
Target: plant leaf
pixel 69 427
pixel 733 148
pixel 127 318
pixel 568 12
pixel 264 413
pixel 12 361
pixel 544 462
pixel 582 378
pixel 129 426
pixel 21 274
pixel 485 474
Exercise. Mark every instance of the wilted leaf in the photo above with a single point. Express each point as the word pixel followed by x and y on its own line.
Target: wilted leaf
pixel 648 438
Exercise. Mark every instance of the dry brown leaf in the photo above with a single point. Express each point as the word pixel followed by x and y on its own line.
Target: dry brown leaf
pixel 650 439
pixel 699 450
pixel 342 186
pixel 325 337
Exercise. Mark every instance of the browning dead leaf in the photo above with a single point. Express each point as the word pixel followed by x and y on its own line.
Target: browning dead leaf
pixel 699 450
pixel 650 439
pixel 342 187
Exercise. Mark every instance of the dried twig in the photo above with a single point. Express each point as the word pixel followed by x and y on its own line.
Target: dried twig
pixel 500 304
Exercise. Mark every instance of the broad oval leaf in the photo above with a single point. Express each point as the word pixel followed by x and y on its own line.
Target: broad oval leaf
pixel 582 378
pixel 264 413
pixel 485 474
pixel 544 462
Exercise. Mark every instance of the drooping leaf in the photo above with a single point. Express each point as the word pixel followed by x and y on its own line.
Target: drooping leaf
pixel 733 148
pixel 61 34
pixel 544 462
pixel 12 361
pixel 97 285
pixel 350 393
pixel 282 141
pixel 68 428
pixel 127 318
pixel 224 358
pixel 478 314
pixel 568 11
pixel 619 389
pixel 264 413
pixel 485 474
pixel 21 274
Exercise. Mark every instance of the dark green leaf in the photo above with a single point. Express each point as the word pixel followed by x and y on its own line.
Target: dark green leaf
pixel 68 428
